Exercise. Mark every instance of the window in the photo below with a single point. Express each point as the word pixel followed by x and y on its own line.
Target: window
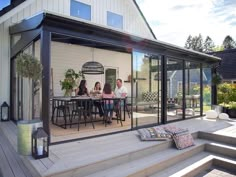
pixel 81 10
pixel 114 20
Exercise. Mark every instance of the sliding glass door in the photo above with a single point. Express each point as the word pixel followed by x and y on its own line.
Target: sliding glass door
pixel 146 93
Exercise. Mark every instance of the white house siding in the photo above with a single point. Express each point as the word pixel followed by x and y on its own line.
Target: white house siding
pixel 65 56
pixel 133 23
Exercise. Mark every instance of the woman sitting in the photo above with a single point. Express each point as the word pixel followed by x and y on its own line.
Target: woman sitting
pixel 108 104
pixel 82 89
pixel 97 91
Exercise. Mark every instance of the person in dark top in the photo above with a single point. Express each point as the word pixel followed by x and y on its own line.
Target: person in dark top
pixel 82 89
pixel 97 91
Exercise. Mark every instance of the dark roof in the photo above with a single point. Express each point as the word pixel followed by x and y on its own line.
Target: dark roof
pixel 72 27
pixel 227 66
pixel 141 13
pixel 13 4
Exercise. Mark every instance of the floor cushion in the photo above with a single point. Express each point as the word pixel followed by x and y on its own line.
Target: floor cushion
pixel 153 134
pixel 183 140
pixel 211 114
pixel 224 116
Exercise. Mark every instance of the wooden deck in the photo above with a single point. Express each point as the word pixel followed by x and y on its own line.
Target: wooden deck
pixel 11 163
pixel 66 159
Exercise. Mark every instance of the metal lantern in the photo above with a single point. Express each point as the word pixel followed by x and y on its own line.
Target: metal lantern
pixel 93 68
pixel 40 144
pixel 5 112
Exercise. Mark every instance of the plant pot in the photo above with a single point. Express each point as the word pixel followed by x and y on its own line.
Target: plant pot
pixel 25 129
pixel 232 113
pixel 225 110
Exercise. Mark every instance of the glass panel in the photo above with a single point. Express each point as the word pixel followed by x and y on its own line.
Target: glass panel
pixel 174 89
pixel 146 95
pixel 206 89
pixel 114 20
pixel 81 10
pixel 192 84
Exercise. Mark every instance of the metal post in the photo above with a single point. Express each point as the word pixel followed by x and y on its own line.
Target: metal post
pixel 45 57
pixel 164 89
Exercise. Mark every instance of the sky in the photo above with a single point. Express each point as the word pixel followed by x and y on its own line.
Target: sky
pixel 173 21
pixel 4 3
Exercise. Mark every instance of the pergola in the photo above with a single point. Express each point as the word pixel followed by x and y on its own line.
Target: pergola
pixel 51 27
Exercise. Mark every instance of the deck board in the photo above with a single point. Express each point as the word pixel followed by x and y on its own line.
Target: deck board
pixel 14 161
pixel 73 155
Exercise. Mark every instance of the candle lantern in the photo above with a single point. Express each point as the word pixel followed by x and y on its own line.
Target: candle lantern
pixel 40 144
pixel 5 112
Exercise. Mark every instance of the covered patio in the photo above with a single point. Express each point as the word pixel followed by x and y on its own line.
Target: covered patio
pixel 166 82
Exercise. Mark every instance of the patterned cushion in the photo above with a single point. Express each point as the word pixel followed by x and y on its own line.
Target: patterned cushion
pixel 149 96
pixel 183 140
pixel 153 134
pixel 174 130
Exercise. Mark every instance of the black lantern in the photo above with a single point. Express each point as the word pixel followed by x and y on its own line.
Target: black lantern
pixel 40 144
pixel 5 112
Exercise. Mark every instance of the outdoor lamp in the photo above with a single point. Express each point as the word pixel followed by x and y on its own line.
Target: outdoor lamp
pixel 40 144
pixel 92 67
pixel 5 112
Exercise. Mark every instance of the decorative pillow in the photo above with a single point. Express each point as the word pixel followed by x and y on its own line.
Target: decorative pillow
pixel 183 140
pixel 153 134
pixel 149 96
pixel 174 130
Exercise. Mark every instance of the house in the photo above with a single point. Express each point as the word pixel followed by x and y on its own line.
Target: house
pixel 66 34
pixel 226 67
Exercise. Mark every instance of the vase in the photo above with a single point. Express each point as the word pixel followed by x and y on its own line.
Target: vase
pixel 68 92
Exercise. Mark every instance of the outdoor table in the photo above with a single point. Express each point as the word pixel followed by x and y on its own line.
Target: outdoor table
pixel 62 103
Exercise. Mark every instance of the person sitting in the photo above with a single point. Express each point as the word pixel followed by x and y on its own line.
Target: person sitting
pixel 97 91
pixel 82 89
pixel 108 105
pixel 120 91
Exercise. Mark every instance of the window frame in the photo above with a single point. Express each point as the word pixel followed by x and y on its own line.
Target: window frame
pixel 87 17
pixel 112 14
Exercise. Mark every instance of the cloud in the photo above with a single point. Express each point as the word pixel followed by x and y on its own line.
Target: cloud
pixel 233 24
pixel 181 7
pixel 173 21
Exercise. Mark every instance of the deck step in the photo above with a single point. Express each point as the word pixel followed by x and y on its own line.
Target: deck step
pixel 149 165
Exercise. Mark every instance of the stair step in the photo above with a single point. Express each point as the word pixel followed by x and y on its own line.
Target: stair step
pixel 151 164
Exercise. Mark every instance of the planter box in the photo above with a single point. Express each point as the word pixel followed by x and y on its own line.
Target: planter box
pixel 25 130
pixel 232 113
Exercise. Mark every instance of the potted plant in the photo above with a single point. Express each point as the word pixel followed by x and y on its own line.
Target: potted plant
pixel 232 109
pixel 223 96
pixel 30 69
pixel 70 81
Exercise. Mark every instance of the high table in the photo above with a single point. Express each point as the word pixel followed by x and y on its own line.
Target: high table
pixel 63 104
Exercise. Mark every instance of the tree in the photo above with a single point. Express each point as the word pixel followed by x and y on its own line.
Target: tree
pixel 208 45
pixel 188 43
pixel 229 43
pixel 194 43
